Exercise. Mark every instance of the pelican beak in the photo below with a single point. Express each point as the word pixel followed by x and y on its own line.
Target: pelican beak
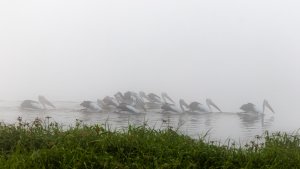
pixel 166 96
pixel 45 101
pixel 266 103
pixel 183 104
pixel 209 103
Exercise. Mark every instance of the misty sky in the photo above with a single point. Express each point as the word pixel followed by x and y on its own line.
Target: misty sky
pixel 232 51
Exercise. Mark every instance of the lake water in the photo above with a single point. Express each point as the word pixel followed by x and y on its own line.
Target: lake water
pixel 220 126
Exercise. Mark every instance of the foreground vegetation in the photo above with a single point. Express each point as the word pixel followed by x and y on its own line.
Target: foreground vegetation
pixel 39 145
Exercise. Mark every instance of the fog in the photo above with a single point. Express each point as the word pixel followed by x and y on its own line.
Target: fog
pixel 232 51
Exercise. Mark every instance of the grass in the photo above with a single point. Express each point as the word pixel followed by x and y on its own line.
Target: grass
pixel 42 144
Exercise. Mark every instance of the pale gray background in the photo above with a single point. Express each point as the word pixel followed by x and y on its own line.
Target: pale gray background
pixel 232 51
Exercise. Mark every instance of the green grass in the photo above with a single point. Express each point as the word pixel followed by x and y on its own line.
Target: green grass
pixel 40 145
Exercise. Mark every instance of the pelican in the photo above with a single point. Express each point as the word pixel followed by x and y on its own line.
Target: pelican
pixel 130 99
pixel 138 102
pixel 104 106
pixel 196 107
pixel 41 104
pixel 91 107
pixel 166 106
pixel 151 101
pixel 151 97
pixel 107 103
pixel 252 108
pixel 165 97
pixel 119 97
pixel 154 98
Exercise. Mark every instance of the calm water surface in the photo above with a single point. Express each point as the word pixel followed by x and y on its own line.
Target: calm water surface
pixel 220 126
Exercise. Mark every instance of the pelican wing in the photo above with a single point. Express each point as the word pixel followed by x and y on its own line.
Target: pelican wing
pixel 249 107
pixel 196 106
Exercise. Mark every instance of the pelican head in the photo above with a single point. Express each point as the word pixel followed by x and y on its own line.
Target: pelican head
pixel 266 104
pixel 210 103
pixel 165 96
pixel 154 98
pixel 44 101
pixel 183 105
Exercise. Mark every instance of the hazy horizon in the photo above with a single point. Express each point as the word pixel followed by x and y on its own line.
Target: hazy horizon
pixel 233 52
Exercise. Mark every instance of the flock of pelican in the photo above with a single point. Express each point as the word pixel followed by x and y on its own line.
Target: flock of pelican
pixel 132 102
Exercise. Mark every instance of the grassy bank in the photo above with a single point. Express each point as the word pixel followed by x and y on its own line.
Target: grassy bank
pixel 36 145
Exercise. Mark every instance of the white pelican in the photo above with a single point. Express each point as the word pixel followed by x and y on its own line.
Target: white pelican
pixel 252 108
pixel 168 107
pixel 154 98
pixel 119 97
pixel 106 107
pixel 138 102
pixel 165 97
pixel 196 107
pixel 41 104
pixel 151 101
pixel 130 99
pixel 107 103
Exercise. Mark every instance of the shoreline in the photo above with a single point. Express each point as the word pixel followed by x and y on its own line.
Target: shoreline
pixel 34 145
